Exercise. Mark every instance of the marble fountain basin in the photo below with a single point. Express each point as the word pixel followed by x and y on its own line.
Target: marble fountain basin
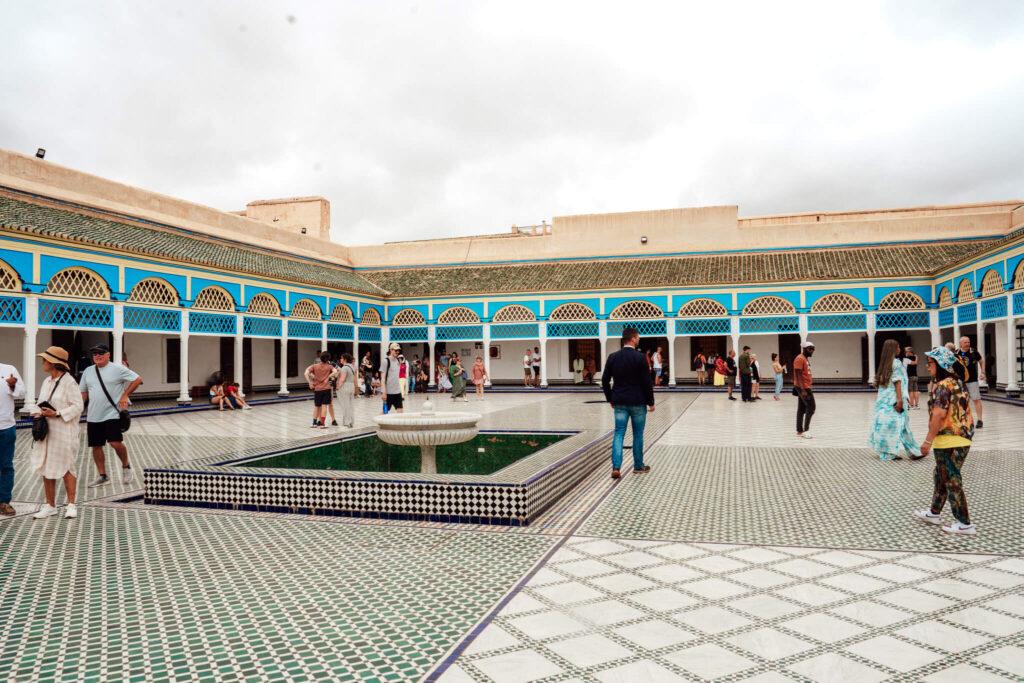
pixel 428 430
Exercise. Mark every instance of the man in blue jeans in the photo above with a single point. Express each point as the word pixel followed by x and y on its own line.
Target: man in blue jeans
pixel 11 388
pixel 628 387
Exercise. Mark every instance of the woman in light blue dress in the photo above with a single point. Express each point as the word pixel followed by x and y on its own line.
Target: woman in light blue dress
pixel 890 428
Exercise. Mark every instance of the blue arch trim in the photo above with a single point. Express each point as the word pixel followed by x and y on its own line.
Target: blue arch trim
pixel 21 261
pixel 394 309
pixel 611 302
pixel 742 299
pixel 812 296
pixel 51 265
pixel 495 306
pixel 133 276
pixel 253 290
pixel 592 304
pixel 475 306
pixel 199 284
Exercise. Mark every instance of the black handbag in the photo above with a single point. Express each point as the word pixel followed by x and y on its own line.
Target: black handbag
pixel 40 427
pixel 123 416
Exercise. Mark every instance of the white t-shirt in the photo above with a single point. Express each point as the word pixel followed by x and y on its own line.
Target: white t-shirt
pixel 536 358
pixel 526 361
pixel 656 360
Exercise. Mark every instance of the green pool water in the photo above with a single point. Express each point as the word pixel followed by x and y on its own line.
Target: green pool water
pixel 370 454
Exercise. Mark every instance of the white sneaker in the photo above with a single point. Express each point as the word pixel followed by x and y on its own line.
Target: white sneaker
pixel 928 516
pixel 46 511
pixel 100 480
pixel 126 475
pixel 71 512
pixel 805 435
pixel 247 407
pixel 960 528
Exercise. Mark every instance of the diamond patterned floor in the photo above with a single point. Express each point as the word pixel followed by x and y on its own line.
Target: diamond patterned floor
pixel 778 561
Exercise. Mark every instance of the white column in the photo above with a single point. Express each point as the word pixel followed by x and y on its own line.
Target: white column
pixel 355 351
pixel 487 350
pixel 1010 357
pixel 118 350
pixel 239 358
pixel 543 331
pixel 871 348
pixel 602 331
pixel 28 353
pixel 933 327
pixel 283 389
pixel 385 335
pixel 183 389
pixel 323 336
pixel 431 340
pixel 803 326
pixel 670 328
pixel 734 332
pixel 982 383
pixel 956 330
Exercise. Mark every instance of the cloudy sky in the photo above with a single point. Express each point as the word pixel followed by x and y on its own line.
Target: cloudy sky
pixel 433 119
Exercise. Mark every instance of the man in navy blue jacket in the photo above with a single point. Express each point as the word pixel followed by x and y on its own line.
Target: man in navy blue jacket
pixel 627 385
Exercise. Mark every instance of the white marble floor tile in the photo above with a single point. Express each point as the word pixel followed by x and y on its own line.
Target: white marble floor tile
pixel 545 625
pixel 991 577
pixel 711 619
pixel 678 551
pixel 893 653
pixel 670 573
pixel 802 568
pixel 764 606
pixel 520 666
pixel 653 635
pixel 912 599
pixel 930 563
pixel 709 661
pixel 1009 659
pixel 567 593
pixel 855 583
pixel 955 588
pixel 565 555
pixel 835 668
pixel 715 564
pixel 942 636
pixel 981 619
pixel 1014 604
pixel 599 547
pixel 823 627
pixel 493 637
pixel 769 643
pixel 663 599
pixel 872 613
pixel 545 576
pixel 811 594
pixel 841 558
pixel 589 650
pixel 768 677
pixel 584 568
pixel 1013 564
pixel 523 603
pixel 634 559
pixel 761 578
pixel 756 555
pixel 621 583
pixel 456 674
pixel 643 670
pixel 606 612
pixel 714 589
pixel 896 573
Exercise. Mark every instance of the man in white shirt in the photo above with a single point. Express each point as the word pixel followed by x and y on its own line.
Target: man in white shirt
pixel 11 389
pixel 527 367
pixel 536 366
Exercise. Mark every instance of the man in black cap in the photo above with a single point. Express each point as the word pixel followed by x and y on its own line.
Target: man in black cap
pixel 103 422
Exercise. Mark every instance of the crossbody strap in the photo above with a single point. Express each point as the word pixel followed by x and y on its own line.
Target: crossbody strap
pixel 55 384
pixel 104 388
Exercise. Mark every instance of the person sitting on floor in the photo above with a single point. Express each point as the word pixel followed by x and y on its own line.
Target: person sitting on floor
pixel 233 394
pixel 218 397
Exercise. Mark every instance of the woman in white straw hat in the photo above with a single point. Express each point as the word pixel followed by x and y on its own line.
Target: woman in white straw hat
pixel 54 456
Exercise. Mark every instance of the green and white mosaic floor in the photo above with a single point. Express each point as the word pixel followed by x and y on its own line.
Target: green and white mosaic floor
pixel 745 554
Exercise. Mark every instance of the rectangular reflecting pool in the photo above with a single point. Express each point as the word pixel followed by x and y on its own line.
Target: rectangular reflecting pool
pixel 486 453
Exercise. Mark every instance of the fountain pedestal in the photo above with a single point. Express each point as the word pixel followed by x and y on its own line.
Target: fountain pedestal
pixel 428 430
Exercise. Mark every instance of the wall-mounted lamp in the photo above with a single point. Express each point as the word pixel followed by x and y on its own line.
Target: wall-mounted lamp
pixel 303 231
pixel 40 153
pixel 643 239
pixel 276 219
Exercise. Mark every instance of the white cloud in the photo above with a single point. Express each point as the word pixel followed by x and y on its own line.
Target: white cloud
pixel 446 118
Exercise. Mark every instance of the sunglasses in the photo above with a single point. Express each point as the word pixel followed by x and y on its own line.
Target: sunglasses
pixel 99 353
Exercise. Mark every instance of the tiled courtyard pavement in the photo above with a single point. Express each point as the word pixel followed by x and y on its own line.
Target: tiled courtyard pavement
pixel 744 555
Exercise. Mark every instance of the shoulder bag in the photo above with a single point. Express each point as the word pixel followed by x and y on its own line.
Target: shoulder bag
pixel 40 427
pixel 123 416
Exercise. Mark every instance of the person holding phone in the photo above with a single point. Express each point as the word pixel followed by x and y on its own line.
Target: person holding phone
pixel 53 457
pixel 890 426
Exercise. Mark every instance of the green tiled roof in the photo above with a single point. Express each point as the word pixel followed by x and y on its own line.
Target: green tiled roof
pixel 54 222
pixel 689 271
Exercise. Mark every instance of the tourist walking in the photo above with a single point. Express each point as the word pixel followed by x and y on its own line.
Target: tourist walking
pixel 101 382
pixel 802 389
pixel 536 367
pixel 319 376
pixel 746 377
pixel 779 371
pixel 414 372
pixel 479 371
pixel 403 376
pixel 627 386
pixel 458 378
pixel 755 378
pixel 390 387
pixel 53 457
pixel 347 389
pixel 950 431
pixel 910 365
pixel 890 426
pixel 13 388
pixel 699 363
pixel 367 369
pixel 970 367
pixel 528 368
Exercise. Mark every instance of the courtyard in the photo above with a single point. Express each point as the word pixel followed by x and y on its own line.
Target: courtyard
pixel 746 554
